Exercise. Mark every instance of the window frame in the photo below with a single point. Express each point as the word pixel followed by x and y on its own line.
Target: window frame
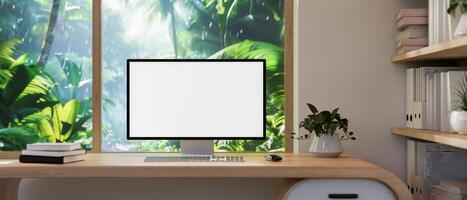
pixel 97 79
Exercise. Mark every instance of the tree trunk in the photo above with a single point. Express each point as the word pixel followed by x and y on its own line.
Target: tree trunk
pixel 49 37
pixel 174 30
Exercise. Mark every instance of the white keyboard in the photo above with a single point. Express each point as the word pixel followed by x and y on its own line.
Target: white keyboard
pixel 194 159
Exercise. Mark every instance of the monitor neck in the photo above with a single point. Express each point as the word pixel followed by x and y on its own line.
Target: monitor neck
pixel 197 147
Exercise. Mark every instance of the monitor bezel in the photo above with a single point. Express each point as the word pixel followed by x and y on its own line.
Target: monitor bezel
pixel 194 60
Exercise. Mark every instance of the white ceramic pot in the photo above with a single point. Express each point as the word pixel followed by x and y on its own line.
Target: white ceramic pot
pixel 326 146
pixel 461 29
pixel 459 121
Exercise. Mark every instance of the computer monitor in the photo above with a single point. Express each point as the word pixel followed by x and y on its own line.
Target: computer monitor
pixel 196 101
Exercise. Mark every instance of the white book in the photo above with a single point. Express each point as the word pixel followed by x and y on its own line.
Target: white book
pixel 53 146
pixel 427 89
pixel 444 111
pixel 423 74
pixel 431 24
pixel 437 102
pixel 53 153
pixel 429 79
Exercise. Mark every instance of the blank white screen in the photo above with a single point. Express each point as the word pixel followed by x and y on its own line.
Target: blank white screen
pixel 196 99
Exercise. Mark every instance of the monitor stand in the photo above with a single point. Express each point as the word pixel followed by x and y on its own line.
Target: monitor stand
pixel 197 147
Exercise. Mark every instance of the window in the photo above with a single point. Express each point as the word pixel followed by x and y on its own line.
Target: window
pixel 45 72
pixel 55 38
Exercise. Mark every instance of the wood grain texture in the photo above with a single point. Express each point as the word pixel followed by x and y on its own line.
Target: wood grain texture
pixel 454 49
pixel 9 188
pixel 96 76
pixel 294 166
pixel 288 71
pixel 451 139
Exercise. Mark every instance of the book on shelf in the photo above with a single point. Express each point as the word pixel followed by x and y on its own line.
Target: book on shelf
pixel 413 42
pixel 53 146
pixel 412 12
pixel 437 193
pixel 413 32
pixel 405 22
pixel 405 49
pixel 454 186
pixel 53 153
pixel 50 159
pixel 449 190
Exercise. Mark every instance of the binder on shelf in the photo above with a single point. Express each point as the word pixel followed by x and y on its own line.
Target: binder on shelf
pixel 411 165
pixel 419 115
pixel 424 165
pixel 409 97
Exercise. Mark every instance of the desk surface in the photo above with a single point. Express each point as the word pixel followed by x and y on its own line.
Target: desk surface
pixel 297 166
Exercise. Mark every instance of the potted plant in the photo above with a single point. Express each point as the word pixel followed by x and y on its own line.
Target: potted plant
pixel 324 124
pixel 458 117
pixel 461 28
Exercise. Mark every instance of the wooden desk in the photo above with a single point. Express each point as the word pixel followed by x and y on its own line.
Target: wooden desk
pixel 293 168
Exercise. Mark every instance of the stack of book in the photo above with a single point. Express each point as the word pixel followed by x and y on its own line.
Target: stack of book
pixel 449 190
pixel 430 94
pixel 58 153
pixel 413 29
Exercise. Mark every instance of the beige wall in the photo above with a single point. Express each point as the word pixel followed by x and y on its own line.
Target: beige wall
pixel 344 50
pixel 148 189
pixel 344 61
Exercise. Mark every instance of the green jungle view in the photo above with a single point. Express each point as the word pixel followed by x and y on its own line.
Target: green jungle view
pixel 46 70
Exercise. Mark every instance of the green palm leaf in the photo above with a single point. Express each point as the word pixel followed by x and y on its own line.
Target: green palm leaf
pixel 14 139
pixel 7 48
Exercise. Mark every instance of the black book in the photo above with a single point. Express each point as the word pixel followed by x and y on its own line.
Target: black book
pixel 50 159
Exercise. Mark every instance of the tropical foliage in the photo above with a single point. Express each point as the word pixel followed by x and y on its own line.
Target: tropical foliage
pixel 45 59
pixel 44 93
pixel 230 29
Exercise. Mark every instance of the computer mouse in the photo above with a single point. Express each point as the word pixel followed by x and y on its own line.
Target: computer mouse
pixel 273 158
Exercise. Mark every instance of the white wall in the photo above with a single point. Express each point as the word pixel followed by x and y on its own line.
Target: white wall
pixel 344 51
pixel 344 61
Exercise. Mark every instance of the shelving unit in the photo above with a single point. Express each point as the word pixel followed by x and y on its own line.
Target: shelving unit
pixel 454 49
pixel 451 139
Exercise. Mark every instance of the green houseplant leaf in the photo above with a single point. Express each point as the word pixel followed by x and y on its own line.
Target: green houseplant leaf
pixel 324 123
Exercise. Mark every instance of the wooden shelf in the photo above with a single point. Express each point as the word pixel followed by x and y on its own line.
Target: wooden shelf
pixel 451 139
pixel 454 49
